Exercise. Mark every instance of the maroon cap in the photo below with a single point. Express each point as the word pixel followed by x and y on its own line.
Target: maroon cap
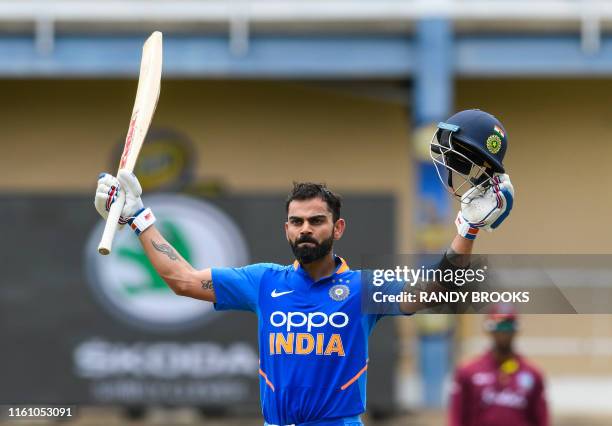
pixel 502 317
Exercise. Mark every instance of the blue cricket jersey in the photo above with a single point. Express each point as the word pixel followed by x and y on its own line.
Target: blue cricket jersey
pixel 313 338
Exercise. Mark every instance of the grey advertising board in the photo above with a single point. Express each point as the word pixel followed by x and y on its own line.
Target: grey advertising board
pixel 66 340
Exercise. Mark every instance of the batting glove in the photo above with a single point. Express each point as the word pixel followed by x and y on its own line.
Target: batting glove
pixel 139 218
pixel 485 208
pixel 107 192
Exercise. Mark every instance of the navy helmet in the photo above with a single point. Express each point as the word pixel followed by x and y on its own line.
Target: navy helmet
pixel 469 147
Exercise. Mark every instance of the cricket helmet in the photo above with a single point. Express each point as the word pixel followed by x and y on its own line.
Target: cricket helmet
pixel 468 149
pixel 502 317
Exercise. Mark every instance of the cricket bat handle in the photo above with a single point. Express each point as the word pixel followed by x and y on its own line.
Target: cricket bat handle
pixel 106 243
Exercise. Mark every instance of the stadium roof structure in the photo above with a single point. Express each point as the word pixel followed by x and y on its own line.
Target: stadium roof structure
pixel 304 38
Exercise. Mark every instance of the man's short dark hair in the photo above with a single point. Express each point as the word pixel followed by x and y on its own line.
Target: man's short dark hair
pixel 308 190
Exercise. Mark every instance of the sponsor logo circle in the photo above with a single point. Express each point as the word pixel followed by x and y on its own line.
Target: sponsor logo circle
pixel 339 292
pixel 166 161
pixel 525 380
pixel 129 288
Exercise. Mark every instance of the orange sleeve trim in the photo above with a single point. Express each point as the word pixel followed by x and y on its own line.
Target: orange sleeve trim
pixel 355 377
pixel 268 382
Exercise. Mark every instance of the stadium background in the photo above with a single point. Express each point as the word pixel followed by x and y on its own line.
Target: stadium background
pixel 295 97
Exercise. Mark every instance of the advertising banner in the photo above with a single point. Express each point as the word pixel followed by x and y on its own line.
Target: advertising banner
pixel 81 328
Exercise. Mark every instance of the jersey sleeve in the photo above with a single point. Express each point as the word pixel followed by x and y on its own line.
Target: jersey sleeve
pixel 538 407
pixel 458 413
pixel 381 297
pixel 238 288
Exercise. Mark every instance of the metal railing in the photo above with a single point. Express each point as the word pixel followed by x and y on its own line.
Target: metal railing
pixel 301 10
pixel 239 15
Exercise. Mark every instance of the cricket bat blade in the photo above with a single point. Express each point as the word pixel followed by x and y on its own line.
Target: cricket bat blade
pixel 147 94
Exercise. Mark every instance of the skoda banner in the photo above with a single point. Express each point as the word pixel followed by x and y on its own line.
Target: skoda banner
pixel 128 286
pixel 80 328
pixel 131 291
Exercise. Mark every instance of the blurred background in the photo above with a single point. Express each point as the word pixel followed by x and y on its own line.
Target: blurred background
pixel 257 94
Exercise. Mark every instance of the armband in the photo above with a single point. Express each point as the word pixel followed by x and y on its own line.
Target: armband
pixel 450 262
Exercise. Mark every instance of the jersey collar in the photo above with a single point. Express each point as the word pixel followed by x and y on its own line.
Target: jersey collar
pixel 490 357
pixel 341 267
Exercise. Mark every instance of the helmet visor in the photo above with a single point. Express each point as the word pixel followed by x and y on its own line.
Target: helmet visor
pixel 459 167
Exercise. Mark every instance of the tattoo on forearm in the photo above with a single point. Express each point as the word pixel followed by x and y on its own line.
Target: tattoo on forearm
pixel 165 249
pixel 208 285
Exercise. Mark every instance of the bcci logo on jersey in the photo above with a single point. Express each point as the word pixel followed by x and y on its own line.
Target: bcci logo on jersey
pixel 339 292
pixel 305 342
pixel 131 290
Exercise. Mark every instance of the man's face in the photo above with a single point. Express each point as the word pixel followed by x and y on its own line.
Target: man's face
pixel 502 341
pixel 310 229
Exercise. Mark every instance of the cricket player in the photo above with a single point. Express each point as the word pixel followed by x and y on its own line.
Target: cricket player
pixel 499 388
pixel 313 335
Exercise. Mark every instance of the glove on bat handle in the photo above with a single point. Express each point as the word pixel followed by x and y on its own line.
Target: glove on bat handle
pixel 112 222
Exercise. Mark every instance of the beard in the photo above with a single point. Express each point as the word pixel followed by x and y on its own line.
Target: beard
pixel 504 347
pixel 309 254
pixel 504 350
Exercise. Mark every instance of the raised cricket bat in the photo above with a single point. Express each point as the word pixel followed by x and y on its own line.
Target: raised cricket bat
pixel 144 107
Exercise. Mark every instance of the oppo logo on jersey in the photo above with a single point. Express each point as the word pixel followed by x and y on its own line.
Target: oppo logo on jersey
pixel 306 343
pixel 310 320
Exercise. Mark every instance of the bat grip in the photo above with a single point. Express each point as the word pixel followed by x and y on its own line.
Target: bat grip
pixel 112 222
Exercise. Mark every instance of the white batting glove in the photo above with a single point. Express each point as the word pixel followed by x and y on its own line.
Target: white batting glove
pixel 485 209
pixel 108 189
pixel 139 218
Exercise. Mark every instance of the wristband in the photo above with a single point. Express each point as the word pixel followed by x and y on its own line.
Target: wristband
pixel 465 228
pixel 141 220
pixel 451 262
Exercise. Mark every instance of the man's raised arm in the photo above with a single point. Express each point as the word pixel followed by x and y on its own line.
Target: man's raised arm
pixel 486 209
pixel 180 276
